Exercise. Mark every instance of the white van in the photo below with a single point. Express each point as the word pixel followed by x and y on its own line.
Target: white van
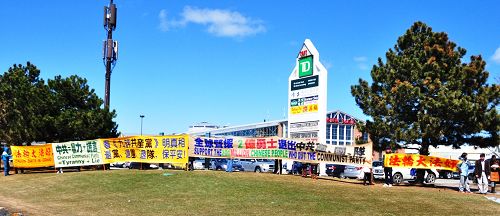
pixel 400 175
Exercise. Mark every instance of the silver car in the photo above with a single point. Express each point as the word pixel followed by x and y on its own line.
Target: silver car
pixel 353 172
pixel 256 165
pixel 378 170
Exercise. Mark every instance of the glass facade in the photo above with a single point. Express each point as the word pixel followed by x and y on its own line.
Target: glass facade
pixel 335 131
pixel 340 129
pixel 348 132
pixel 328 131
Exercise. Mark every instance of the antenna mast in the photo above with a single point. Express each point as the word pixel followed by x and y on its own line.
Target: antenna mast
pixel 110 47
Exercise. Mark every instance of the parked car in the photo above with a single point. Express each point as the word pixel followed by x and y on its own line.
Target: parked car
pixel 126 165
pixel 448 174
pixel 256 165
pixel 137 165
pixel 353 172
pixel 291 167
pixel 335 170
pixel 378 170
pixel 120 164
pixel 472 177
pixel 221 164
pixel 445 174
pixel 199 164
pixel 408 174
pixel 400 175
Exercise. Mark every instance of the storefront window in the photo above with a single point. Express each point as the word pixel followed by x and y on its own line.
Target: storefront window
pixel 341 132
pixel 328 131
pixel 334 131
pixel 348 132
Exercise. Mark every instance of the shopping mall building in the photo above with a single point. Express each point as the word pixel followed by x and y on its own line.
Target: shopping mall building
pixel 340 129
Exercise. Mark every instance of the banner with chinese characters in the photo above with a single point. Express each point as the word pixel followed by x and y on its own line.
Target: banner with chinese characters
pixel 77 153
pixel 32 156
pixel 278 148
pixel 147 149
pixel 419 161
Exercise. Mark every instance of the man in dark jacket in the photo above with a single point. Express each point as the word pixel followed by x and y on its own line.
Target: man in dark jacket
pixel 482 172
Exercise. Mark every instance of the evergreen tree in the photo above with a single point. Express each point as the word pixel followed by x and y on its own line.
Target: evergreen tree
pixel 76 111
pixel 424 94
pixel 65 109
pixel 22 93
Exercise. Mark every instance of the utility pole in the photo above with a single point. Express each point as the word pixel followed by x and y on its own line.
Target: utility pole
pixel 110 47
pixel 142 117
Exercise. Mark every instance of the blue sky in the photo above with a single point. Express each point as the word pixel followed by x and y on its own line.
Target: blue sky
pixel 226 62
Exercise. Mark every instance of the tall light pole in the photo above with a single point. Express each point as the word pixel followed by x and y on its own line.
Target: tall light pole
pixel 142 117
pixel 110 47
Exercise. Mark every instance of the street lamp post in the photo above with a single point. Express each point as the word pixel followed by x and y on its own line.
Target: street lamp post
pixel 142 117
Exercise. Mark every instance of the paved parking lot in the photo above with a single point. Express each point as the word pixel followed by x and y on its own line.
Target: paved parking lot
pixel 453 184
pixel 448 182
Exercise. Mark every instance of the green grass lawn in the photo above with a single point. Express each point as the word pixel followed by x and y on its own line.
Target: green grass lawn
pixel 134 192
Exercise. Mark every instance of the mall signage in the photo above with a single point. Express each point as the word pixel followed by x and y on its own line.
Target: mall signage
pixel 307 96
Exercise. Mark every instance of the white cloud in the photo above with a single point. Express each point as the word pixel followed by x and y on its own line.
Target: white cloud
pixel 164 26
pixel 361 61
pixel 222 23
pixel 496 56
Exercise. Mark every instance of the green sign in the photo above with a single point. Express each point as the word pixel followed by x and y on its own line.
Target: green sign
pixel 306 66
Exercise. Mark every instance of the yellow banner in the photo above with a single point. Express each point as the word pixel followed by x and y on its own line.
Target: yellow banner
pixel 147 149
pixel 32 156
pixel 419 161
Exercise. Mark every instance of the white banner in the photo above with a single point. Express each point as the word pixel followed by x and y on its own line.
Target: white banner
pixel 77 153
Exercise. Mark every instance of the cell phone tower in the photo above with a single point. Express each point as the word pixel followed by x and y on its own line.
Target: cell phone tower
pixel 110 47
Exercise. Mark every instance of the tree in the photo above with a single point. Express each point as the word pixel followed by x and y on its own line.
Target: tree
pixel 77 111
pixel 424 94
pixel 65 109
pixel 21 93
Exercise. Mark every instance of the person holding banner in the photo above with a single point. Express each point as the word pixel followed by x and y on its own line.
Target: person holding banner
pixel 463 169
pixel 278 166
pixel 305 167
pixel 388 171
pixel 482 172
pixel 5 159
pixel 367 179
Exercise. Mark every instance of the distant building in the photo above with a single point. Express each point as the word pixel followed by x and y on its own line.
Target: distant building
pixel 202 127
pixel 340 128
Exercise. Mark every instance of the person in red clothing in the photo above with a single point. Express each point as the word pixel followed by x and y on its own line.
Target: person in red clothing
pixel 495 171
